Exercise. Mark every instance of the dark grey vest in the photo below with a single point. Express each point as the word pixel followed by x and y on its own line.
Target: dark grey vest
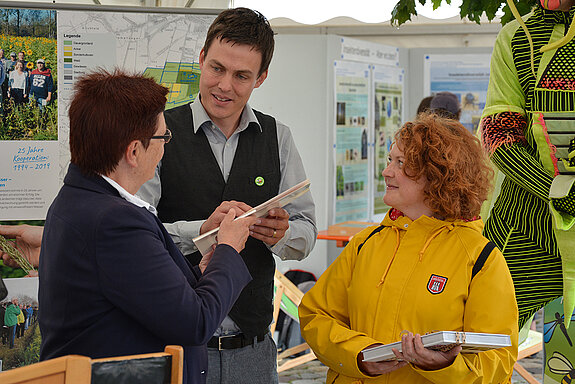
pixel 193 187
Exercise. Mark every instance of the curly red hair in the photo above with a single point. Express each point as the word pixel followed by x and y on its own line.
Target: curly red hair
pixel 452 162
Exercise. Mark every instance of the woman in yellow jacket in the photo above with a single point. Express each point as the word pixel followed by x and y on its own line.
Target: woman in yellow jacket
pixel 414 275
pixel 20 326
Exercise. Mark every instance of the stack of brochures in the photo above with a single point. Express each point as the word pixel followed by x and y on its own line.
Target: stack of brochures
pixel 205 241
pixel 471 342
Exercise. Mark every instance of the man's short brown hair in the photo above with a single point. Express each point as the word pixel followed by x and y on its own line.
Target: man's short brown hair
pixel 243 26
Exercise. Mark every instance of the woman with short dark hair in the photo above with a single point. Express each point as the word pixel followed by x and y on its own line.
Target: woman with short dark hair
pixel 112 281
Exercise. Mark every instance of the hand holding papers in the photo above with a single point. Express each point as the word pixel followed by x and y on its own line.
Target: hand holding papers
pixel 205 241
pixel 471 342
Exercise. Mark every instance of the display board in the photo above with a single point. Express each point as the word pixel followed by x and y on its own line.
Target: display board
pixel 34 155
pixel 352 84
pixel 34 152
pixel 388 85
pixel 466 76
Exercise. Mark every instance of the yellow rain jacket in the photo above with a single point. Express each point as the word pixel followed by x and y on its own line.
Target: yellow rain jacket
pixel 414 276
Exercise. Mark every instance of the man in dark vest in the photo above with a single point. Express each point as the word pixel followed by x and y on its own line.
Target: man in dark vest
pixel 229 155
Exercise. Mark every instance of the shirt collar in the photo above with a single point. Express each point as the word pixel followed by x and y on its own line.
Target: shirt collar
pixel 129 197
pixel 201 116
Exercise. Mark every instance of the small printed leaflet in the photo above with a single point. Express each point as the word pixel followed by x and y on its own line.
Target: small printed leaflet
pixel 204 242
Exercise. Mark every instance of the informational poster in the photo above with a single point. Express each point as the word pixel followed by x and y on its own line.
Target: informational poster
pixel 388 111
pixel 466 76
pixel 28 114
pixel 352 85
pixel 34 151
pixel 164 46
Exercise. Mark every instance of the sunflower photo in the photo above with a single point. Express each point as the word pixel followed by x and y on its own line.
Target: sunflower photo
pixel 28 75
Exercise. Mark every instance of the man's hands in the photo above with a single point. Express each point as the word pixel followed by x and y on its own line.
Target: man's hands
pixel 235 232
pixel 27 238
pixel 272 228
pixel 414 352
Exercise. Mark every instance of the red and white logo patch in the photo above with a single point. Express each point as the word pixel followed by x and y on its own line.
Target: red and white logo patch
pixel 436 284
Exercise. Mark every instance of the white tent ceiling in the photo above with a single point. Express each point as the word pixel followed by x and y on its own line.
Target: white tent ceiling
pixel 363 19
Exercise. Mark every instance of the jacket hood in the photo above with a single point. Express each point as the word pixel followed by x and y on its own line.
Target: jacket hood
pixel 429 227
pixel 396 219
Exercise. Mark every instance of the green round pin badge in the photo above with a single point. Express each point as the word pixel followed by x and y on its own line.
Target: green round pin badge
pixel 259 181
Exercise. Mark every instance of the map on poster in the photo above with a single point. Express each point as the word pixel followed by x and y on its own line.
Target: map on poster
pixel 164 46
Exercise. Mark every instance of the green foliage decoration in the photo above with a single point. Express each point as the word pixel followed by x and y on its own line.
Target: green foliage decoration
pixel 471 9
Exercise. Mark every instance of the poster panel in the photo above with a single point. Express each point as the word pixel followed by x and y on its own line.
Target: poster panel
pixel 466 76
pixel 352 84
pixel 33 164
pixel 388 84
pixel 28 113
pixel 164 46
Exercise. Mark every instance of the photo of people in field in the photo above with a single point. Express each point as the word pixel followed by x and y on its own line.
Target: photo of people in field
pixel 28 75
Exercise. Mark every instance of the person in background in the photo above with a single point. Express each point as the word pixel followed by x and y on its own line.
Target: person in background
pixel 446 104
pixel 424 105
pixel 11 320
pixel 22 58
pixel 12 63
pixel 230 156
pixel 3 59
pixel 4 328
pixel 26 310
pixel 413 274
pixel 41 84
pixel 18 84
pixel 3 77
pixel 29 318
pixel 21 321
pixel 106 255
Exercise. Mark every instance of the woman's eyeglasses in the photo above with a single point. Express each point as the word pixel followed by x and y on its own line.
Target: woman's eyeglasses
pixel 166 136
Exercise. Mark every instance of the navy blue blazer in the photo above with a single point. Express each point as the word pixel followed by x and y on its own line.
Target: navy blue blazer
pixel 112 282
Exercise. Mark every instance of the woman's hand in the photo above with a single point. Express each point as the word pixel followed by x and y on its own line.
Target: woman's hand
pixel 380 367
pixel 414 352
pixel 235 232
pixel 221 211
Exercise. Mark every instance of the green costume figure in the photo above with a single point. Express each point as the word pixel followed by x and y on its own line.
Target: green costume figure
pixel 528 126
